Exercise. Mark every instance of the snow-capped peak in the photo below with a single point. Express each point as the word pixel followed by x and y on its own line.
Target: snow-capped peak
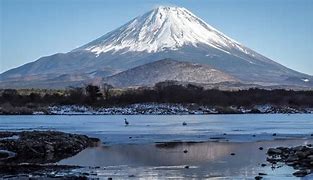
pixel 161 29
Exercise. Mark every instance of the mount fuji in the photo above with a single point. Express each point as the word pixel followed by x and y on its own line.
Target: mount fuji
pixel 169 42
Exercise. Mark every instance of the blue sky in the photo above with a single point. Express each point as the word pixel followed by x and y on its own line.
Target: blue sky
pixel 279 29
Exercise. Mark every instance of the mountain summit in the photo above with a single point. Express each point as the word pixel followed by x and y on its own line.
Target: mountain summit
pixel 162 33
pixel 163 28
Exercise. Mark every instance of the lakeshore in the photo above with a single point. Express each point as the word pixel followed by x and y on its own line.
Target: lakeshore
pixel 158 147
pixel 162 160
pixel 154 109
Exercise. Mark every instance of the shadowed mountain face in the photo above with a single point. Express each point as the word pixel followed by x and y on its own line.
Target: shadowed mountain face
pixel 163 70
pixel 164 32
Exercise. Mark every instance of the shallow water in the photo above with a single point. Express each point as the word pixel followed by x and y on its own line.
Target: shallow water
pixel 131 150
pixel 205 160
pixel 149 129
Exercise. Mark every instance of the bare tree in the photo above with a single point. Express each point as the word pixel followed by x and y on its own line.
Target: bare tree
pixel 107 90
pixel 93 92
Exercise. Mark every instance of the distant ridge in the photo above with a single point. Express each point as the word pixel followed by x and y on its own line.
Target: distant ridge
pixel 168 70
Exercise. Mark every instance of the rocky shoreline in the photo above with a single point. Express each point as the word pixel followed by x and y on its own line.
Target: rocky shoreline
pixel 34 152
pixel 299 157
pixel 156 109
pixel 152 109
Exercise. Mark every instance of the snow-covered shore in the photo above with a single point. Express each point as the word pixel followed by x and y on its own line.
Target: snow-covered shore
pixel 167 109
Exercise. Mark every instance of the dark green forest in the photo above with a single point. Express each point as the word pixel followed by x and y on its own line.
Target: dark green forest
pixel 106 95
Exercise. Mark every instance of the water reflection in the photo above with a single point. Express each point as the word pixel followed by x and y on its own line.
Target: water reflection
pixel 209 159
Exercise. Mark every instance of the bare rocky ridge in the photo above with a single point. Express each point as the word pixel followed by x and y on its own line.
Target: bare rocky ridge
pixel 163 70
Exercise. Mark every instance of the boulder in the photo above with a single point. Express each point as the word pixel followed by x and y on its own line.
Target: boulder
pixel 274 151
pixel 299 157
pixel 44 146
pixel 300 173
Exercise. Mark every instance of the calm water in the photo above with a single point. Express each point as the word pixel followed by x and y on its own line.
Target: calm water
pixel 131 150
pixel 208 160
pixel 149 129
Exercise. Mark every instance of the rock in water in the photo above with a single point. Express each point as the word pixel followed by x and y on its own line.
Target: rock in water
pixel 299 157
pixel 45 146
pixel 273 151
pixel 300 173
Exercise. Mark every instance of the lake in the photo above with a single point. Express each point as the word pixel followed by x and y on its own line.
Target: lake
pixel 136 150
pixel 160 128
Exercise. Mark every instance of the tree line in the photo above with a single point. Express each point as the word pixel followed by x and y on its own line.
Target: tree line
pixel 162 92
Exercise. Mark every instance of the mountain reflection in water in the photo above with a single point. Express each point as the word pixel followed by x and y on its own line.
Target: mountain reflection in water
pixel 207 159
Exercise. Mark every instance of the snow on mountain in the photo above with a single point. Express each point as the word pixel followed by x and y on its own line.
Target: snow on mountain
pixel 163 28
pixel 164 32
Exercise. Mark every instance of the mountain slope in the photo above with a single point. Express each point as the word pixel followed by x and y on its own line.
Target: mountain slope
pixel 164 32
pixel 163 70
pixel 164 28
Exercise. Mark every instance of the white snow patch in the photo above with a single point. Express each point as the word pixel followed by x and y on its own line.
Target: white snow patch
pixel 162 29
pixel 38 113
pixel 15 137
pixel 166 109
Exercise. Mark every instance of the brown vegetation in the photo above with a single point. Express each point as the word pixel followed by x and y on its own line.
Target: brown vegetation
pixel 18 102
